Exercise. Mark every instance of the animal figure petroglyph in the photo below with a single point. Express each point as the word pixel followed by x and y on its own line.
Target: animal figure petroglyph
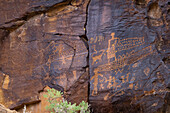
pixel 98 57
pixel 116 63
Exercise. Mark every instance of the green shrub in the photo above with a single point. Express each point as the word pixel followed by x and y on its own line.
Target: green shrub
pixel 59 105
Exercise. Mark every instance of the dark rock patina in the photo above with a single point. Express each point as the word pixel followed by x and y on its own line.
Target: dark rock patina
pixel 42 45
pixel 114 54
pixel 128 42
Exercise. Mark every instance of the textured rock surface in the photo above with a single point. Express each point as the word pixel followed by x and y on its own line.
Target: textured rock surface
pixel 128 46
pixel 3 109
pixel 11 9
pixel 47 49
pixel 39 107
pixel 121 47
pixel 79 90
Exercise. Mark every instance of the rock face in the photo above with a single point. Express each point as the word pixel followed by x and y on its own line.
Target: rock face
pixel 48 48
pixel 128 49
pixel 113 54
pixel 5 110
pixel 39 107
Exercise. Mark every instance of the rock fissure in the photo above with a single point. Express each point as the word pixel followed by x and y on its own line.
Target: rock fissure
pixel 17 22
pixel 70 67
pixel 61 34
pixel 36 11
pixel 86 41
pixel 155 69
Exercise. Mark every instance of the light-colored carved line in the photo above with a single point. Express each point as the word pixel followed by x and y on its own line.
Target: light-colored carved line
pixel 60 58
pixel 121 63
pixel 6 82
pixel 115 50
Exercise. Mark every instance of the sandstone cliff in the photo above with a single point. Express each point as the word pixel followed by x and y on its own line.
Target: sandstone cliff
pixel 112 53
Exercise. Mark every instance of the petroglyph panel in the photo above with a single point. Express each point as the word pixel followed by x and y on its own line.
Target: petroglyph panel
pixel 111 62
pixel 43 47
pixel 63 61
pixel 124 56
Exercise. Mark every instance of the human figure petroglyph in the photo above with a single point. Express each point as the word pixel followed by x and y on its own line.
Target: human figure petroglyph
pixel 111 52
pixel 56 49
pixel 98 39
pixel 116 44
pixel 59 48
pixel 116 62
pixel 111 82
pixel 95 83
pixel 119 64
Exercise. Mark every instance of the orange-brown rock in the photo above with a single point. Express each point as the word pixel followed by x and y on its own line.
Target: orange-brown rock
pixel 79 90
pixel 112 53
pixel 129 56
pixel 3 109
pixel 39 107
pixel 44 44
